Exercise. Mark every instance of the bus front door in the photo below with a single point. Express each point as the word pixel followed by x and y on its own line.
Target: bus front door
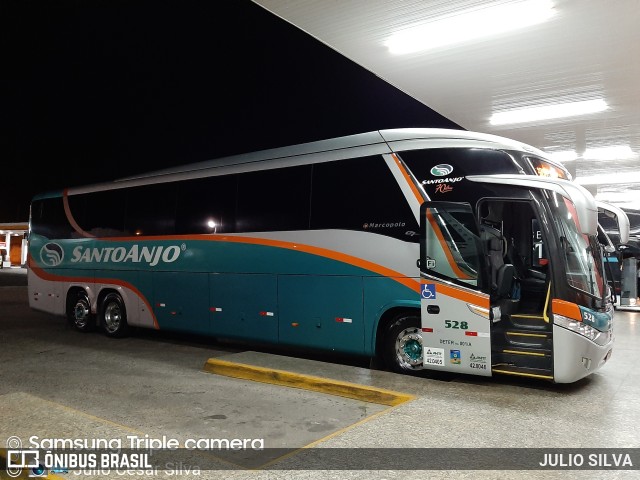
pixel 456 325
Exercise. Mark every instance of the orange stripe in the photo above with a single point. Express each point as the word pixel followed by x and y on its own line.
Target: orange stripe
pixel 332 254
pixel 445 248
pixel 420 197
pixel 87 280
pixel 566 309
pixel 409 282
pixel 479 299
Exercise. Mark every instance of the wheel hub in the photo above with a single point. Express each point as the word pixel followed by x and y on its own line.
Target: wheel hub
pixel 112 317
pixel 409 348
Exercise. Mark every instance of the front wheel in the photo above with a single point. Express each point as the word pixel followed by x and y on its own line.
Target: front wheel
pixel 113 316
pixel 402 344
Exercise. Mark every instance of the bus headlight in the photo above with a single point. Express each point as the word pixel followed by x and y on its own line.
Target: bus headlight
pixel 581 328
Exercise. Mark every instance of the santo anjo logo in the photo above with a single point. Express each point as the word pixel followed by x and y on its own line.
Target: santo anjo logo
pixel 51 254
pixel 441 170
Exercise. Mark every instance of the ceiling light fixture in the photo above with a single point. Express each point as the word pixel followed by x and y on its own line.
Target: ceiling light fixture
pixel 605 178
pixel 469 25
pixel 617 152
pixel 563 156
pixel 621 199
pixel 548 112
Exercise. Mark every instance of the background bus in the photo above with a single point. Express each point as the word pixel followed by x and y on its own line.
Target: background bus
pixel 624 261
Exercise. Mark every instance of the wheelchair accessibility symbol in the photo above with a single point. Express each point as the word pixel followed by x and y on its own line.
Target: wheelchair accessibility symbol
pixel 428 290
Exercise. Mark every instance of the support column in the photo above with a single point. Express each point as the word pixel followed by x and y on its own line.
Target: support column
pixel 8 262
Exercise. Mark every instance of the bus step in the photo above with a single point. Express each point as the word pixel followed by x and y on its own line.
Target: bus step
pixel 537 358
pixel 539 373
pixel 526 339
pixel 529 322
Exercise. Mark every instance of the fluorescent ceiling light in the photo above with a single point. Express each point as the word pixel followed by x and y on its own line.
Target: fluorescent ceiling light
pixel 618 152
pixel 602 179
pixel 622 200
pixel 614 197
pixel 563 156
pixel 547 112
pixel 470 24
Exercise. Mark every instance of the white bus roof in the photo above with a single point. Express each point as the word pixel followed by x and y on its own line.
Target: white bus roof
pixel 376 142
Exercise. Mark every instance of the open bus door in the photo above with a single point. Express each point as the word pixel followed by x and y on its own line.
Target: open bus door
pixel 456 320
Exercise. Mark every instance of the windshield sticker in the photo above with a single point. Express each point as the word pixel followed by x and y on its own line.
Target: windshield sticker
pixel 443 188
pixel 442 180
pixel 441 170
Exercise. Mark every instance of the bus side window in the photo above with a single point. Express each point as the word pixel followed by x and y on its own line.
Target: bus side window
pixel 361 194
pixel 100 214
pixel 49 219
pixel 151 209
pixel 206 205
pixel 272 200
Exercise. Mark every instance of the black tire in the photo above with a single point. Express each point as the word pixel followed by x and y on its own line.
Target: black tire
pixel 79 313
pixel 402 344
pixel 113 316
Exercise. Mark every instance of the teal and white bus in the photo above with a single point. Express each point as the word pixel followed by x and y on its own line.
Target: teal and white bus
pixel 427 248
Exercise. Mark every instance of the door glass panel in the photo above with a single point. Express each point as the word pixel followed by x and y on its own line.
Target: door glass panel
pixel 451 248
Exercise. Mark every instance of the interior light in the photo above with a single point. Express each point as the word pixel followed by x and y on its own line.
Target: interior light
pixel 563 155
pixel 618 152
pixel 548 112
pixel 469 25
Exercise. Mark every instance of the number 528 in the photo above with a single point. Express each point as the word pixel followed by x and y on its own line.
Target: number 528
pixel 455 324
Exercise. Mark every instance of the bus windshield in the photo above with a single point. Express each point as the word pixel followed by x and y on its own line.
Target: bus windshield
pixel 580 252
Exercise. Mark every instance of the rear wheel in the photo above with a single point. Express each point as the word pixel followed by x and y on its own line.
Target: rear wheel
pixel 113 316
pixel 79 312
pixel 402 344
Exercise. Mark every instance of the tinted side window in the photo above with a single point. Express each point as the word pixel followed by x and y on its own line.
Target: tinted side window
pixel 207 205
pixel 360 194
pixel 100 213
pixel 103 213
pixel 48 218
pixel 274 199
pixel 151 209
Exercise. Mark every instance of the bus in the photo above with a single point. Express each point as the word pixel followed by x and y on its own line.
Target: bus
pixel 428 249
pixel 623 262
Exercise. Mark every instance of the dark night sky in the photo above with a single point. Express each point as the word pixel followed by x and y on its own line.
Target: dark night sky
pixel 97 90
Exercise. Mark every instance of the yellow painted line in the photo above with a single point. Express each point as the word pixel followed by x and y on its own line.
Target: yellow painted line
pixel 119 425
pixel 327 437
pixel 306 382
pixel 539 335
pixel 521 374
pixel 536 317
pixel 92 417
pixel 516 352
